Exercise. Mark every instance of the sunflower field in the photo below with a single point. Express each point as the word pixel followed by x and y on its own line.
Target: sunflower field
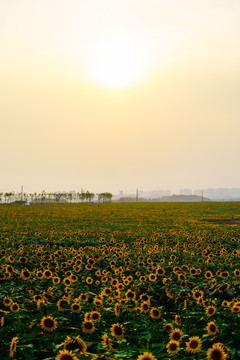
pixel 142 281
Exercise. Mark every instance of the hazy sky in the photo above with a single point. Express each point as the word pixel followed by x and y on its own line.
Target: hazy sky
pixel 110 95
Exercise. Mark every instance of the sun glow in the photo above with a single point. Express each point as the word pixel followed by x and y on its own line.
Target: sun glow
pixel 117 63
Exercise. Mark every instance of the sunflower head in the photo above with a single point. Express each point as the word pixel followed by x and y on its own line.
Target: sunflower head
pixel 212 329
pixel 176 335
pixel 146 356
pixel 66 355
pixel 88 326
pixel 117 331
pixel 75 344
pixel 155 313
pixel 216 352
pixel 193 345
pixel 13 346
pixel 48 323
pixel 172 347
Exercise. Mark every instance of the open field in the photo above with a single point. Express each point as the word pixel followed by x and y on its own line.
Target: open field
pixel 120 281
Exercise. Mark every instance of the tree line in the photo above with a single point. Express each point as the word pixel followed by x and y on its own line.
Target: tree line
pixel 72 196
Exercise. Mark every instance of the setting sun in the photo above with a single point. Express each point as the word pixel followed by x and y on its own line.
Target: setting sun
pixel 117 63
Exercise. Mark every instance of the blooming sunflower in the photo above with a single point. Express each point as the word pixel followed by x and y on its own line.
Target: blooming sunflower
pixel 212 329
pixel 7 301
pixel 62 303
pixel 168 327
pixel 48 323
pixel 176 335
pixel 178 320
pixel 152 277
pixel 106 341
pixel 146 356
pixel 25 274
pixel 83 297
pixel 216 352
pixel 88 326
pixel 172 347
pixel 117 309
pixel 210 310
pixel 194 344
pixel 223 287
pixel 14 307
pixel 76 307
pixel 75 344
pixel 117 331
pixel 66 355
pixel 13 346
pixel 155 313
pixel 145 307
pixel 95 315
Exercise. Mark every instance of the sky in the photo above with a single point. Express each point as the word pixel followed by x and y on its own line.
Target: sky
pixel 117 95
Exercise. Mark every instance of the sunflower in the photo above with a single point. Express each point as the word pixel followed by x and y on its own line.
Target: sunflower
pixel 14 307
pixel 194 344
pixel 25 274
pixel 76 307
pixel 61 304
pixel 223 287
pixel 145 298
pixel 155 313
pixel 39 274
pixel 47 274
pixel 235 308
pixel 216 352
pixel 66 355
pixel 2 277
pixel 130 295
pixel 172 347
pixel 7 301
pixel 48 323
pixel 89 280
pixel 56 280
pixel 106 341
pixel 107 291
pixel 237 272
pixel 197 294
pixel 210 310
pixel 160 271
pixel 88 326
pixel 83 297
pixel 67 281
pixel 75 344
pixel 117 331
pixel 208 274
pixel 9 269
pixel 181 277
pixel 178 320
pixel 117 309
pixel 176 335
pixel 145 307
pixel 146 356
pixel 168 327
pixel 212 329
pixel 13 346
pixel 152 277
pixel 95 315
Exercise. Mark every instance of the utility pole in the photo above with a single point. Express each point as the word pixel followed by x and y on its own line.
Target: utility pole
pixel 137 195
pixel 21 192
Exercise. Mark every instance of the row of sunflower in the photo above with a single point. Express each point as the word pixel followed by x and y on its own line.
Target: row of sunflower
pixel 119 281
